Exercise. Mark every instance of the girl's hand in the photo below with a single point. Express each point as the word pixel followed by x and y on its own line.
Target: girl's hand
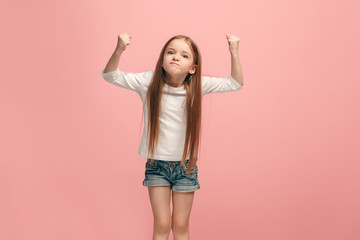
pixel 123 41
pixel 233 42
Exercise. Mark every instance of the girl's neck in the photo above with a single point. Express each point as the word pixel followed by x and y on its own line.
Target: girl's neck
pixel 174 83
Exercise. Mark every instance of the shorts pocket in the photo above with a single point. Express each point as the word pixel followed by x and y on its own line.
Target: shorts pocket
pixel 152 167
pixel 191 175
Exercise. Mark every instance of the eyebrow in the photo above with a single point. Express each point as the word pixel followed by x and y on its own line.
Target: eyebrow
pixel 174 49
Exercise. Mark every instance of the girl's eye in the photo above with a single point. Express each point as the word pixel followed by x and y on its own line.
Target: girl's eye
pixel 186 56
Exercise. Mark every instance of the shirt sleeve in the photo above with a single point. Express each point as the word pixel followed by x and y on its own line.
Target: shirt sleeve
pixel 217 84
pixel 131 81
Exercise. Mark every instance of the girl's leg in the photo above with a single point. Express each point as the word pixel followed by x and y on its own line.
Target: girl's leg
pixel 160 204
pixel 182 203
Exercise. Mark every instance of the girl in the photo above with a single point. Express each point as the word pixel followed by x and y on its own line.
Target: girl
pixel 171 97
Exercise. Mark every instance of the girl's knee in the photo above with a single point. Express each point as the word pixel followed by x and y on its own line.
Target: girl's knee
pixel 180 226
pixel 162 225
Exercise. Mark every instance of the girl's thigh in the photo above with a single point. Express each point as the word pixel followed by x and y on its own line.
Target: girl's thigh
pixel 160 202
pixel 182 204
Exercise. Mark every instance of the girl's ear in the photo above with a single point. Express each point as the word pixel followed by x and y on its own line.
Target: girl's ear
pixel 193 69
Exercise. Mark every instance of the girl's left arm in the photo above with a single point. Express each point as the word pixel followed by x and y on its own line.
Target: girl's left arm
pixel 236 71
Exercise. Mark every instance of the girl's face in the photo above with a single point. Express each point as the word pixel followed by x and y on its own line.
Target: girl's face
pixel 178 59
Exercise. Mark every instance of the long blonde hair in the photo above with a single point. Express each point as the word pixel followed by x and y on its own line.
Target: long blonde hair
pixel 192 85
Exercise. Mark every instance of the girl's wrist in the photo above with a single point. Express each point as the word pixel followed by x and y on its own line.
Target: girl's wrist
pixel 234 52
pixel 119 50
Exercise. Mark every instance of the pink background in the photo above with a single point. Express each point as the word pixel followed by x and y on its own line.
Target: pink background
pixel 279 158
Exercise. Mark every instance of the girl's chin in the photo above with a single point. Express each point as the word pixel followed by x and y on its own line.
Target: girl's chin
pixel 174 71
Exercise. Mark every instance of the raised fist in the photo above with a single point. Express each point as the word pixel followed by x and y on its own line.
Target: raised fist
pixel 233 42
pixel 123 41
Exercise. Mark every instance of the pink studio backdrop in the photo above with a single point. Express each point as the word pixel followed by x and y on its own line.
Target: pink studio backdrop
pixel 279 158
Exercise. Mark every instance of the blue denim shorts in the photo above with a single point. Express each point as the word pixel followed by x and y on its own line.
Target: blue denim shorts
pixel 171 173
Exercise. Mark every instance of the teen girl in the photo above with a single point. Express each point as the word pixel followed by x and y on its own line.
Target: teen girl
pixel 171 97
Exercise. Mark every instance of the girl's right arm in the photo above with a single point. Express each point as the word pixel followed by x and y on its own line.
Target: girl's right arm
pixel 132 81
pixel 113 63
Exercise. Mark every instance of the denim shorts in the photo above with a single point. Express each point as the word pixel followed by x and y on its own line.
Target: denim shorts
pixel 171 173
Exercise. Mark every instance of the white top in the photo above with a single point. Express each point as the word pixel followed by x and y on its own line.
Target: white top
pixel 172 119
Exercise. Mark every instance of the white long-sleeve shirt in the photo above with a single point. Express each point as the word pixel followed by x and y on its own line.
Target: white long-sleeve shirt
pixel 172 118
